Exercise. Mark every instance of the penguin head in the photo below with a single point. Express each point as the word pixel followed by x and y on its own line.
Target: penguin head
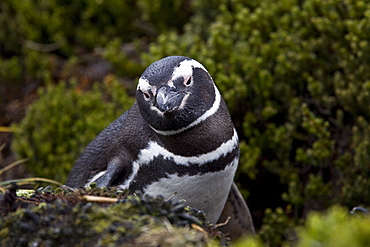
pixel 175 92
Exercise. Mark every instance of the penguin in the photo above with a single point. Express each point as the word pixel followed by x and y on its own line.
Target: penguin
pixel 177 141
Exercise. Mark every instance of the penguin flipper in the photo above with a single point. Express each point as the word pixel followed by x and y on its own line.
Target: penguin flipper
pixel 116 172
pixel 107 155
pixel 240 222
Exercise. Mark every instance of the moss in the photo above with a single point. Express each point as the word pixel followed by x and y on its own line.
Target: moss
pixel 63 217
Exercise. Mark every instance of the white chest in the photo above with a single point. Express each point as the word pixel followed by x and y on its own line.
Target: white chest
pixel 207 192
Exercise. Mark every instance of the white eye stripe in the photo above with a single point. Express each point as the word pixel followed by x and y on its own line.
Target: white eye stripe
pixel 143 85
pixel 185 69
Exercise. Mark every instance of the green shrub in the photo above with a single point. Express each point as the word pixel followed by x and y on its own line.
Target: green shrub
pixel 63 121
pixel 293 74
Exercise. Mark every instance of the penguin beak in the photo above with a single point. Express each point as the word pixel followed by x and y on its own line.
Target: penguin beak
pixel 168 99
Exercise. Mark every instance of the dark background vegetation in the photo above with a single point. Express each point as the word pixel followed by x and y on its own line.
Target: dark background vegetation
pixel 294 74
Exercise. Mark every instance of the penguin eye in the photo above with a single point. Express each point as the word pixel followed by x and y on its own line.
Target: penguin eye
pixel 187 81
pixel 146 96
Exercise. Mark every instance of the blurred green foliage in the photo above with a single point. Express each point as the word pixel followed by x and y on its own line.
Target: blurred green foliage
pixel 64 119
pixel 335 228
pixel 32 30
pixel 294 75
pixel 278 227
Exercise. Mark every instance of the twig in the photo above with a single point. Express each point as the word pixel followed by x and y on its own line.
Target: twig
pixel 99 199
pixel 223 223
